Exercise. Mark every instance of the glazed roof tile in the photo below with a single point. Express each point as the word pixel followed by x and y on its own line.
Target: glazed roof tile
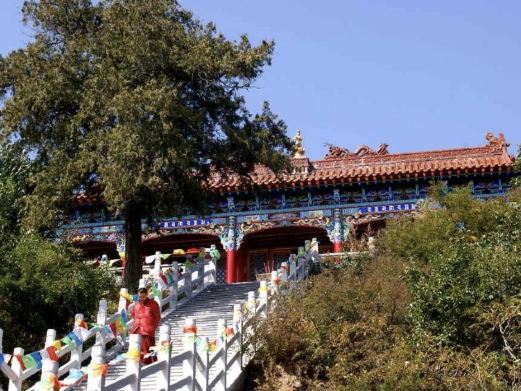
pixel 342 166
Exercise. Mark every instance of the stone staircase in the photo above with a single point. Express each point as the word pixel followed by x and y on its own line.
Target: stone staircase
pixel 215 302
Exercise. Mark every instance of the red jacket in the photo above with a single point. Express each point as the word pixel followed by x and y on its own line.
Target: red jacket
pixel 146 316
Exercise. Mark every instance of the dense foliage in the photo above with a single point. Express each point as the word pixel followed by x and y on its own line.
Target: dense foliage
pixel 138 100
pixel 43 284
pixel 437 308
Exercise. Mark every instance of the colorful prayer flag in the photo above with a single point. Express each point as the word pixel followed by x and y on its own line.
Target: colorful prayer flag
pixel 124 316
pixel 20 361
pixel 121 327
pixel 113 329
pixel 68 341
pixel 37 358
pixel 57 345
pixel 163 279
pixel 29 362
pixel 77 341
pixel 51 350
pixel 108 332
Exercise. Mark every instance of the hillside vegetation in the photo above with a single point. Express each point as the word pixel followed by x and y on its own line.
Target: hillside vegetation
pixel 436 308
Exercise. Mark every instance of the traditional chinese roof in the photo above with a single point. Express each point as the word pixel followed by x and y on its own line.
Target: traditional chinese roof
pixel 365 164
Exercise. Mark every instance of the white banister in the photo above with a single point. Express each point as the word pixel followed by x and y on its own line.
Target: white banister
pixel 101 320
pixel 236 365
pixel 16 384
pixel 214 272
pixel 173 286
pixel 225 364
pixel 97 369
pixel 157 263
pixel 133 366
pixel 189 365
pixel 77 352
pixel 263 298
pixel 222 364
pixel 275 281
pixel 292 267
pixel 284 272
pixel 200 274
pixel 49 372
pixel 205 363
pixel 122 306
pixel 163 354
pixel 188 281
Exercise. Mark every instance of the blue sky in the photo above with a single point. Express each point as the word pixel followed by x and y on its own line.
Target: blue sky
pixel 418 75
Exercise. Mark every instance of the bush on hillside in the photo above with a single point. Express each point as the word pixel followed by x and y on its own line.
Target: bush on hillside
pixel 45 285
pixel 437 308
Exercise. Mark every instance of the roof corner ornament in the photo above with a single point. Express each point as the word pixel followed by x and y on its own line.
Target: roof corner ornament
pixel 497 143
pixel 298 150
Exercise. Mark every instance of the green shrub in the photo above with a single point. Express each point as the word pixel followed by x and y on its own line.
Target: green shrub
pixel 45 285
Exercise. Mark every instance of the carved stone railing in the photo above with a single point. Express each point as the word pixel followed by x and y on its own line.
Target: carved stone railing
pixel 103 336
pixel 211 364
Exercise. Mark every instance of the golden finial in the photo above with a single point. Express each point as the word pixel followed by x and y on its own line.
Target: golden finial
pixel 298 149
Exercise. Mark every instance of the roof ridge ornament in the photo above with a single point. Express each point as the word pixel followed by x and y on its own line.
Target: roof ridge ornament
pixel 497 143
pixel 338 153
pixel 298 150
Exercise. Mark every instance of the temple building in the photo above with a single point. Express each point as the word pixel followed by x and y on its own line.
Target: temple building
pixel 345 195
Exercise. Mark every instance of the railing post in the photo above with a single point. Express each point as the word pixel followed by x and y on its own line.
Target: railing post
pixel 50 337
pixel 165 347
pixel 301 260
pixel 314 251
pixel 293 268
pixel 284 272
pixel 275 281
pixel 159 297
pixel 222 363
pixel 189 365
pixel 101 319
pixel 200 274
pixel 133 355
pixel 97 369
pixel 77 352
pixel 293 272
pixel 16 385
pixel 237 328
pixel 188 282
pixel 49 372
pixel 263 298
pixel 157 263
pixel 206 362
pixel 213 276
pixel 173 288
pixel 251 304
pixel 122 305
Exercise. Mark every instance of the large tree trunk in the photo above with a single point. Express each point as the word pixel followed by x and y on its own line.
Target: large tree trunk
pixel 133 267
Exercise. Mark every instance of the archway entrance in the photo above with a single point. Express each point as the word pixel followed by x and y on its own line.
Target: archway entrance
pixel 263 251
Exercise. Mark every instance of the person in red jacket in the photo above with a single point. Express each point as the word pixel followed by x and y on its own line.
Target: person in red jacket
pixel 146 315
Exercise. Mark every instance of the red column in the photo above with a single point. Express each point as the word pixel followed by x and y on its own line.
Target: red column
pixel 238 265
pixel 338 247
pixel 231 266
pixel 242 264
